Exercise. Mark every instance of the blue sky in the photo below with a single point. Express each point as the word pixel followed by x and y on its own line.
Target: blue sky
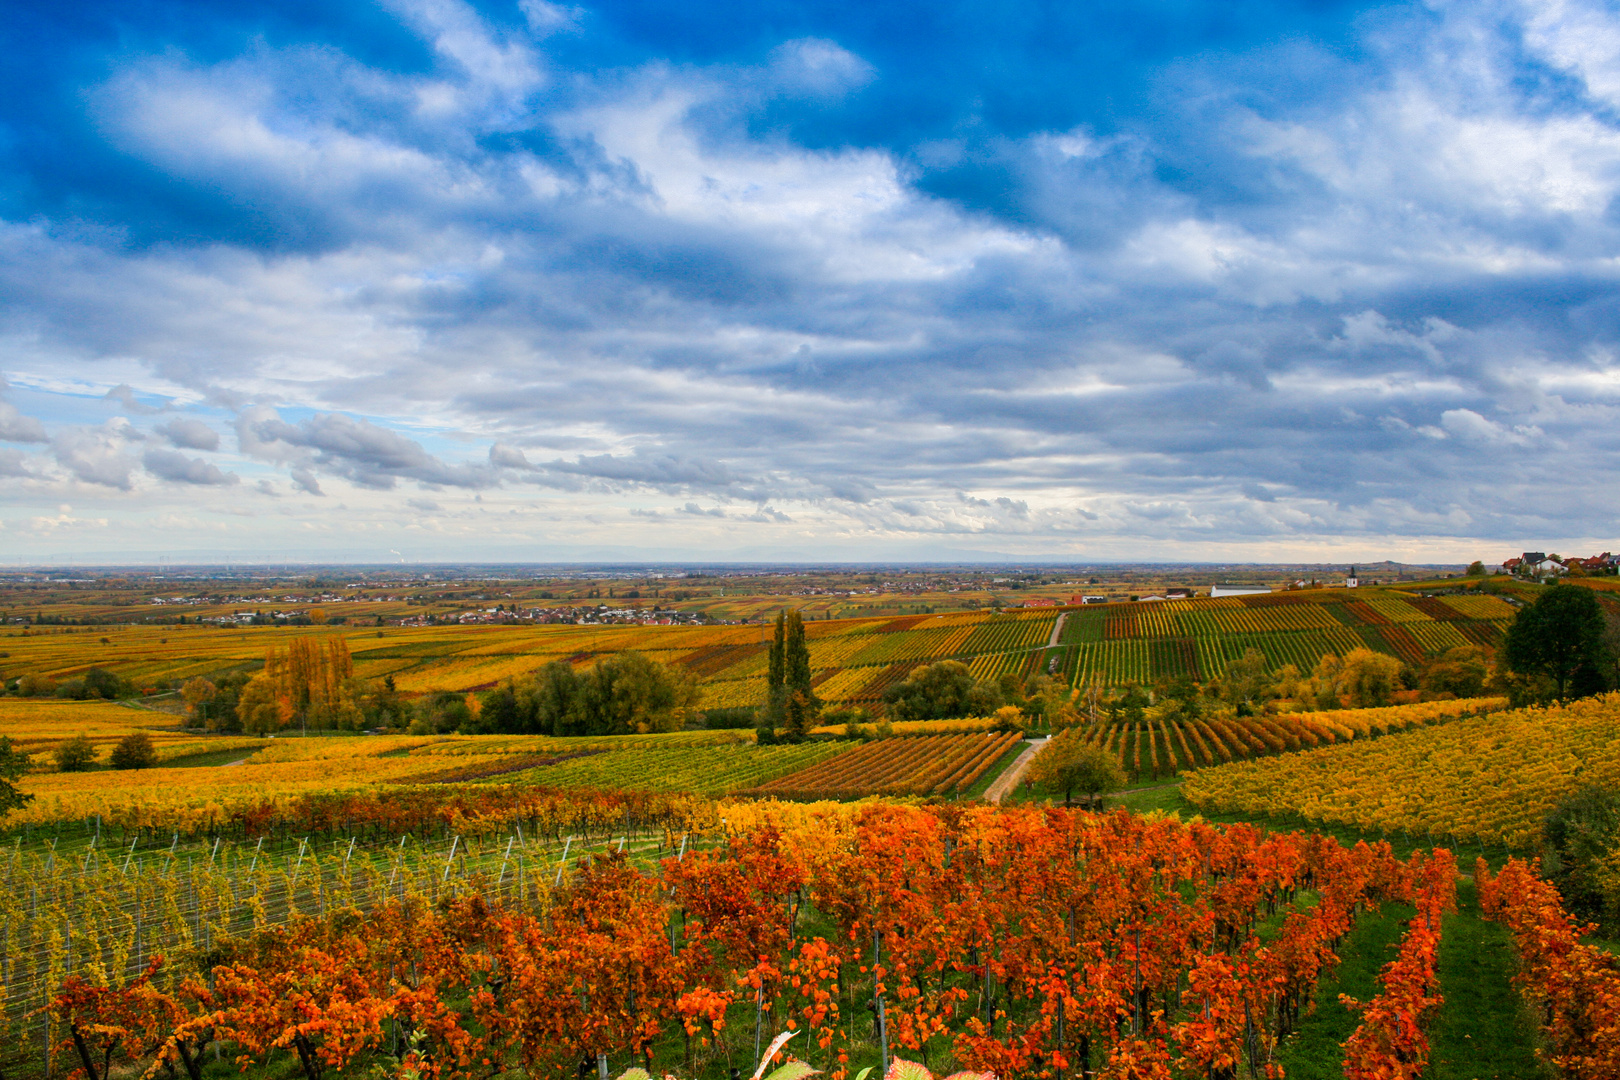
pixel 1316 281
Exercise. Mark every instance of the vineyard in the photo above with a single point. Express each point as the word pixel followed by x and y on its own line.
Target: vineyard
pixel 190 800
pixel 1166 744
pixel 37 726
pixel 994 939
pixel 1489 778
pixel 928 765
pixel 395 905
pixel 852 660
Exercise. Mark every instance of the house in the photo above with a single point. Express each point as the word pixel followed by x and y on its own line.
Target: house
pixel 1350 579
pixel 1179 594
pixel 1144 599
pixel 1040 601
pixel 1088 599
pixel 1510 566
pixel 1238 590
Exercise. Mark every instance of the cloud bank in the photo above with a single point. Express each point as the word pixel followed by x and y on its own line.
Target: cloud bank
pixel 541 281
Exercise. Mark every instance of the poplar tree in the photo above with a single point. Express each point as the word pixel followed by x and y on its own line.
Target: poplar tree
pixel 772 716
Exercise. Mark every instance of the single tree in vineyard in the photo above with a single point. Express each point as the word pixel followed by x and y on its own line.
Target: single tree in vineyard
pixel 1069 765
pixel 134 752
pixel 1561 636
pixel 75 755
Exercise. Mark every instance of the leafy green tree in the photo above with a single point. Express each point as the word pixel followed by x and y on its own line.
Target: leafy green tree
pixel 630 693
pixel 555 703
pixel 1069 764
pixel 787 676
pixel 796 658
pixel 1476 569
pixel 99 682
pixel 442 712
pixel 75 755
pixel 941 691
pixel 622 694
pixel 798 718
pixel 13 763
pixel 1561 636
pixel 776 670
pixel 134 752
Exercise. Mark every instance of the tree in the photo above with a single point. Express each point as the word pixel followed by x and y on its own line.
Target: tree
pixel 1476 569
pixel 1561 636
pixel 622 694
pixel 13 763
pixel 1247 680
pixel 197 693
pixel 1069 764
pixel 36 686
pixel 99 682
pixel 942 691
pixel 1369 679
pixel 1362 680
pixel 1581 836
pixel 1460 672
pixel 798 718
pixel 75 755
pixel 796 659
pixel 775 711
pixel 134 752
pixel 787 677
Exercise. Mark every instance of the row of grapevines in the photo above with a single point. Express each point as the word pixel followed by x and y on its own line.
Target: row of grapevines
pixel 1135 943
pixel 917 766
pixel 1493 777
pixel 1574 987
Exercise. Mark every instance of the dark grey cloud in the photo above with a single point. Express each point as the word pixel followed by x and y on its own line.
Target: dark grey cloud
pixel 306 482
pixel 176 467
pixel 356 449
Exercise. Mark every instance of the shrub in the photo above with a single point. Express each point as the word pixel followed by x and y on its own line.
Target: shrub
pixel 75 755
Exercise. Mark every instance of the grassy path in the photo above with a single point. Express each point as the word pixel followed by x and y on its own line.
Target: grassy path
pixel 1314 1051
pixel 1483 1031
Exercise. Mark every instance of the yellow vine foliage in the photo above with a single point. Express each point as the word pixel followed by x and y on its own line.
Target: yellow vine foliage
pixel 1491 778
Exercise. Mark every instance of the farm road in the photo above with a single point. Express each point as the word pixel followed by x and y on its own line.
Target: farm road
pixel 1009 779
pixel 1057 628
